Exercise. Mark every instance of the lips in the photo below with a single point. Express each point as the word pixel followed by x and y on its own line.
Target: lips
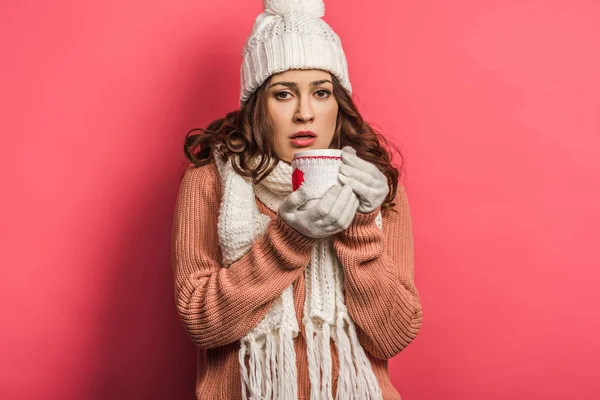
pixel 303 134
pixel 303 138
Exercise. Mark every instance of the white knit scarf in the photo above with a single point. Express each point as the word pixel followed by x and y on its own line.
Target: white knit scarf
pixel 272 366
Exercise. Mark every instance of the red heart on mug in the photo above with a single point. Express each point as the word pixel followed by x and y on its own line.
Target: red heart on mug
pixel 297 179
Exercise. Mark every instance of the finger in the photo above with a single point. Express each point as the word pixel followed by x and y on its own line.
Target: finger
pixel 357 175
pixel 349 212
pixel 358 163
pixel 309 203
pixel 294 201
pixel 349 149
pixel 322 208
pixel 361 190
pixel 345 197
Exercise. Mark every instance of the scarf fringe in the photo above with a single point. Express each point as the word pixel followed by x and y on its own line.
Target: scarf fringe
pixel 278 364
pixel 313 355
pixel 368 387
pixel 326 384
pixel 243 370
pixel 270 367
pixel 356 378
pixel 347 380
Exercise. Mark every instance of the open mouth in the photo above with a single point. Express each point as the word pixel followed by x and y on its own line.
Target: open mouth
pixel 303 141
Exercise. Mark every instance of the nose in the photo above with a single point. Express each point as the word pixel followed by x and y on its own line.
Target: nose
pixel 304 112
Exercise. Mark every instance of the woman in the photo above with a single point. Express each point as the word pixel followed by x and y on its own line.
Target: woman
pixel 287 300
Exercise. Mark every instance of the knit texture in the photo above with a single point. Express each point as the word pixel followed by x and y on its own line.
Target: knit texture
pixel 269 345
pixel 316 173
pixel 219 306
pixel 290 34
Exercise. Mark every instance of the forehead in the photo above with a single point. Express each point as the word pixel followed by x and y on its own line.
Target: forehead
pixel 301 76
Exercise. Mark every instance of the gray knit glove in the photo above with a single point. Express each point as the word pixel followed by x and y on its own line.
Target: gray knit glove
pixel 367 181
pixel 331 214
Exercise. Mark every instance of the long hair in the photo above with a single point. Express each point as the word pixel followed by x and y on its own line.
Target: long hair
pixel 247 133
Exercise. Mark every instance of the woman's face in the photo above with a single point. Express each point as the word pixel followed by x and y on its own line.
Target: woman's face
pixel 301 100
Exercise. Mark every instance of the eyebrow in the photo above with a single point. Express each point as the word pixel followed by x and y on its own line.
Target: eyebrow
pixel 295 85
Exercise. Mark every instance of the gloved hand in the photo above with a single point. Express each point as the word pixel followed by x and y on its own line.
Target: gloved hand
pixel 366 180
pixel 331 214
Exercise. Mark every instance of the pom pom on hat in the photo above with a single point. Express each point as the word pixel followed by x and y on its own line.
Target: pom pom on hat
pixel 285 7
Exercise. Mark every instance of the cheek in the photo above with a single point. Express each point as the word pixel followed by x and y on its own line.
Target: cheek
pixel 280 129
pixel 276 122
pixel 333 116
pixel 330 118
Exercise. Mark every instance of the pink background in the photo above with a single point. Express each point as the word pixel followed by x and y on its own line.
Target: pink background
pixel 496 105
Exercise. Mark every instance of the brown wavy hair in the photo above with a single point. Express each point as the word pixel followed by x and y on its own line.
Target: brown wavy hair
pixel 247 132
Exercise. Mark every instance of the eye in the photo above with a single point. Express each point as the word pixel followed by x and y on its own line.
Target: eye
pixel 279 95
pixel 323 93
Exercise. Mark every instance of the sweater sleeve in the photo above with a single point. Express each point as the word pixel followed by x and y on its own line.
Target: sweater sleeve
pixel 379 270
pixel 217 305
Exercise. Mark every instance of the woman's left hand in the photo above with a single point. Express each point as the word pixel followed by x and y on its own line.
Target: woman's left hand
pixel 368 183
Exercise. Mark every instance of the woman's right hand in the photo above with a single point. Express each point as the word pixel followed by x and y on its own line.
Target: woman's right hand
pixel 331 214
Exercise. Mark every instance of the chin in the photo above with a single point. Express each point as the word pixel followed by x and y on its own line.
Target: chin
pixel 286 158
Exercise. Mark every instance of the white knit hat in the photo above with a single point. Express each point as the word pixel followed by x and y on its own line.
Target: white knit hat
pixel 290 34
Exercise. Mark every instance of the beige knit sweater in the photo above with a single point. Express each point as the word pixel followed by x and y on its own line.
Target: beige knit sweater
pixel 218 306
